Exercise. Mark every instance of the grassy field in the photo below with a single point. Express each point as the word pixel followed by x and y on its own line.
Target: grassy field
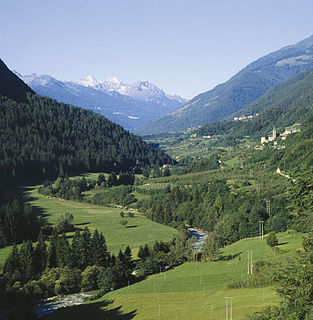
pixel 193 290
pixel 4 252
pixel 139 230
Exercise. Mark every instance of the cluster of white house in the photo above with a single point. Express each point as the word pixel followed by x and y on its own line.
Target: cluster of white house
pixel 283 135
pixel 245 117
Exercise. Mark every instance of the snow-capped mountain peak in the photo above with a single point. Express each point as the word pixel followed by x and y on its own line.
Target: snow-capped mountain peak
pixel 131 105
pixel 111 84
pixel 145 91
pixel 89 81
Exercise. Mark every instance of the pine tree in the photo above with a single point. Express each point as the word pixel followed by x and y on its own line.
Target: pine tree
pixel 63 251
pixel 27 261
pixel 86 249
pixel 168 216
pixel 40 255
pixel 76 251
pixel 52 256
pixel 100 255
pixel 143 252
pixel 128 259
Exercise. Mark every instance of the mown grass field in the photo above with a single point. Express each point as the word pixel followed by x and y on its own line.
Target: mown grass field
pixel 139 230
pixel 193 290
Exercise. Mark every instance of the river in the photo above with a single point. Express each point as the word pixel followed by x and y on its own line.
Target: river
pixel 49 305
pixel 200 237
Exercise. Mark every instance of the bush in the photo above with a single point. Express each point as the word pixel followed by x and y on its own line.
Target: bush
pixel 65 223
pixel 123 222
pixel 69 281
pixel 271 239
pixel 90 277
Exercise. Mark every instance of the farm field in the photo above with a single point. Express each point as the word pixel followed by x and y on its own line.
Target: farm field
pixel 192 290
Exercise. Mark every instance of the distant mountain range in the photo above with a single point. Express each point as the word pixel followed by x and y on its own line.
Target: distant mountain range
pixel 130 105
pixel 242 89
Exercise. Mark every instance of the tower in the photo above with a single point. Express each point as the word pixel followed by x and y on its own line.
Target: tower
pixel 274 134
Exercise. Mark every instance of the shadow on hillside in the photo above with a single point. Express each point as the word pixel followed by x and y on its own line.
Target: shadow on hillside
pixel 282 243
pixel 131 226
pixel 82 224
pixel 94 311
pixel 230 256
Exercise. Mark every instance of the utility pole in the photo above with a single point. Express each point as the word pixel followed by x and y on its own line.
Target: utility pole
pixel 261 230
pixel 250 265
pixel 229 308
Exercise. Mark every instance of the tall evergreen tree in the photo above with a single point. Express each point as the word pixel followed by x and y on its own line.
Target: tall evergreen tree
pixel 76 251
pixel 52 255
pixel 100 255
pixel 86 248
pixel 63 251
pixel 27 261
pixel 40 255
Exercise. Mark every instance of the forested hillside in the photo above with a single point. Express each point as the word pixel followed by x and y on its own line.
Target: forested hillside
pixel 44 138
pixel 41 138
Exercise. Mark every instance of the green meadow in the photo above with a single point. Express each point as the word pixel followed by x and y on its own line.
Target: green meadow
pixel 192 290
pixel 139 230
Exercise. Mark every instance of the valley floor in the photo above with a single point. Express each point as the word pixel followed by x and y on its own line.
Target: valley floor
pixel 193 290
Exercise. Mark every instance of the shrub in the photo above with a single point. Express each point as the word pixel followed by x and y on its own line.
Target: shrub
pixel 90 277
pixel 271 239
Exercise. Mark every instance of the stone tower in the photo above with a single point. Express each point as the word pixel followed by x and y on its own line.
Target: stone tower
pixel 274 134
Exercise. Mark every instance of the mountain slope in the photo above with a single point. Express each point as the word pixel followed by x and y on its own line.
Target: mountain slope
pixel 281 106
pixel 11 86
pixel 242 89
pixel 42 138
pixel 294 92
pixel 130 105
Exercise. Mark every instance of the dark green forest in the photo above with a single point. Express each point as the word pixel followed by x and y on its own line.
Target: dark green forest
pixel 42 139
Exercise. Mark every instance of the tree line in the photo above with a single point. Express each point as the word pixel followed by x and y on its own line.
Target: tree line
pixel 71 189
pixel 18 222
pixel 213 207
pixel 56 266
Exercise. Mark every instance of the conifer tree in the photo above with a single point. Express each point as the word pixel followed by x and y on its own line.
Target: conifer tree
pixel 76 251
pixel 100 255
pixel 27 261
pixel 63 251
pixel 40 255
pixel 52 256
pixel 86 249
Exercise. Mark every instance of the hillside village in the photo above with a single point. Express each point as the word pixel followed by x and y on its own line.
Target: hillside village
pixel 282 136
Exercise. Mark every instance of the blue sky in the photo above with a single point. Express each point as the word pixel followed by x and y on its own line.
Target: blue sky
pixel 184 46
